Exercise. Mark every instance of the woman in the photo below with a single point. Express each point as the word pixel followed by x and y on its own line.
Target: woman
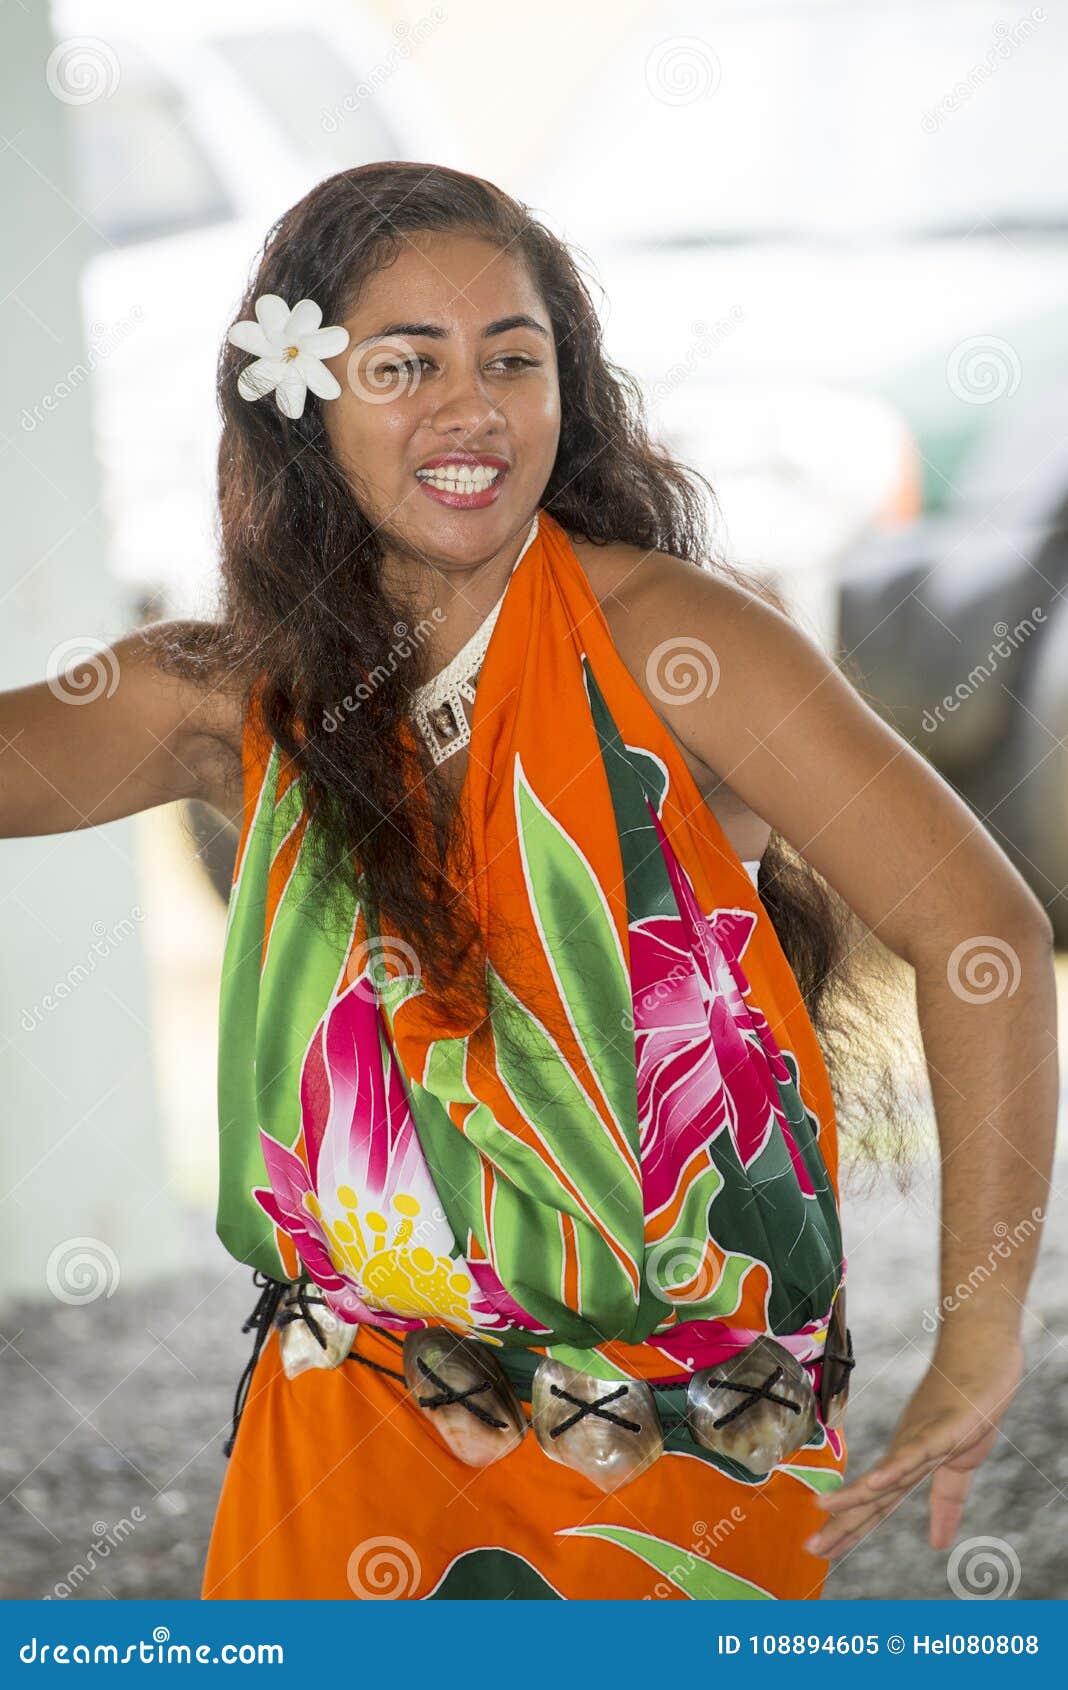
pixel 525 1126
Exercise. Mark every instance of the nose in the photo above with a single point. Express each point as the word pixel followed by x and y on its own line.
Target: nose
pixel 463 405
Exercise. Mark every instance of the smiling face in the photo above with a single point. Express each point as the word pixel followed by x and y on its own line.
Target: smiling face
pixel 449 415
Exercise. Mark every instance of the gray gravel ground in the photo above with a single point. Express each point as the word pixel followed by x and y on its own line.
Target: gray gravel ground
pixel 115 1414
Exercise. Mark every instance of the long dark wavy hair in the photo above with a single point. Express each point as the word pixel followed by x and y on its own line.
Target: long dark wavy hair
pixel 304 614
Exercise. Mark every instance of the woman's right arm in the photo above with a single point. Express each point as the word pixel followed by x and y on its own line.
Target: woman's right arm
pixel 71 759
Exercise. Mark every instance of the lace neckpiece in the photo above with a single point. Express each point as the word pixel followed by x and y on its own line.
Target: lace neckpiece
pixel 438 705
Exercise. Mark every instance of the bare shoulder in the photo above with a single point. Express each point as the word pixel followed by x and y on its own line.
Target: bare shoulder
pixel 739 681
pixel 671 620
pixel 632 578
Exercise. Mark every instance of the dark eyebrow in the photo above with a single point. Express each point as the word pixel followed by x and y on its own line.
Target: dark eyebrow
pixel 432 331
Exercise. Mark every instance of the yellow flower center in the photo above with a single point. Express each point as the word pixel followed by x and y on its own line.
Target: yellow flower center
pixel 393 1269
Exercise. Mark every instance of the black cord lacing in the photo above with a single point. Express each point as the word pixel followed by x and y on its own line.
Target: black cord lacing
pixel 846 1360
pixel 366 1361
pixel 752 1395
pixel 449 1396
pixel 262 1319
pixel 582 1408
pixel 288 1315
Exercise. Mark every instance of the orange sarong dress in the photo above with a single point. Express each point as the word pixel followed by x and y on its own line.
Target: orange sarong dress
pixel 629 1164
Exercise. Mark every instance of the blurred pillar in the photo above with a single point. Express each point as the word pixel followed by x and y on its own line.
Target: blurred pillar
pixel 84 1204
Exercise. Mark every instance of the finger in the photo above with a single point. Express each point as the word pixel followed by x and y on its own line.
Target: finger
pixel 899 1468
pixel 822 1539
pixel 863 1502
pixel 973 1455
pixel 855 1520
pixel 962 1454
pixel 949 1492
pixel 848 1544
pixel 953 1435
pixel 960 1461
pixel 857 1508
pixel 834 1541
pixel 907 1465
pixel 862 1491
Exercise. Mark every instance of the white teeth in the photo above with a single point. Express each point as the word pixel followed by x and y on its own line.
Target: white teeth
pixel 457 478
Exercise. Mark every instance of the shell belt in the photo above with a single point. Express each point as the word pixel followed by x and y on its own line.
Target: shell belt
pixel 753 1410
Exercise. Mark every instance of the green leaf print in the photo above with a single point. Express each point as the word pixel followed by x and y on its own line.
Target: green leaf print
pixel 634 776
pixel 575 1152
pixel 694 1576
pixel 584 952
pixel 816 1478
pixel 271 1015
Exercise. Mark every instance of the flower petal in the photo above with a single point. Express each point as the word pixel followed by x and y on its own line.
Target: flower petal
pixel 258 379
pixel 304 318
pixel 325 343
pixel 272 313
pixel 250 337
pixel 317 376
pixel 291 392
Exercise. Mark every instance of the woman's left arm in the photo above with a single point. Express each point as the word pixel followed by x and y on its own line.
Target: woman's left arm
pixel 795 740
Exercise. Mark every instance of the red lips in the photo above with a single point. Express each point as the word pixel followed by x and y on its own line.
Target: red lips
pixel 477 499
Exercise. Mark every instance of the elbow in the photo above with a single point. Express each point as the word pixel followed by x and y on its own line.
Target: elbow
pixel 1046 936
pixel 1031 923
pixel 1014 931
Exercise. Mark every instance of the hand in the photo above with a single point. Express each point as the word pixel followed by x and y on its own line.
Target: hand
pixel 948 1430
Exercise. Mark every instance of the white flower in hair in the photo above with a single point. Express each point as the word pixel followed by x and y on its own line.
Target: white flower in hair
pixel 289 347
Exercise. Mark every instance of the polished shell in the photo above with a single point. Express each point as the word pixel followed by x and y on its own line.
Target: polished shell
pixel 837 1366
pixel 488 1422
pixel 299 1347
pixel 610 1445
pixel 757 1408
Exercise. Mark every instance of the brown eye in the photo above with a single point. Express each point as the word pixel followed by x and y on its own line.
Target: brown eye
pixel 409 367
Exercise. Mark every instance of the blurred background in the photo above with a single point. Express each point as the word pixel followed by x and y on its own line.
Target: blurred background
pixel 831 240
